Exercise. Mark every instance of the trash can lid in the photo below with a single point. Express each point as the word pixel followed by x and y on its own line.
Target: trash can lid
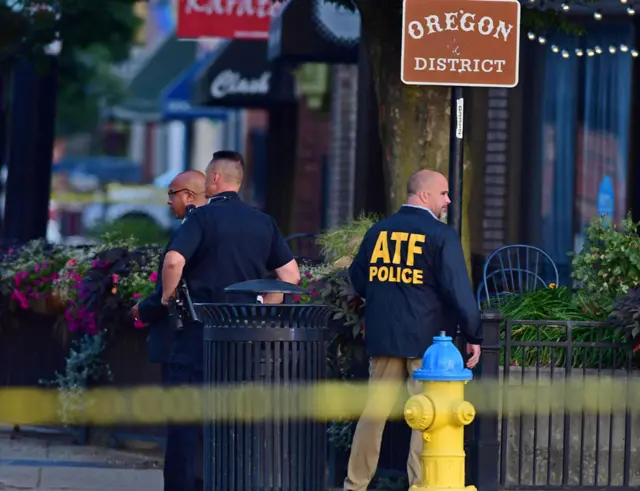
pixel 442 362
pixel 265 286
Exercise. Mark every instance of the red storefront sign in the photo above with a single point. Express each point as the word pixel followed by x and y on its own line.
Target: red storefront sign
pixel 230 19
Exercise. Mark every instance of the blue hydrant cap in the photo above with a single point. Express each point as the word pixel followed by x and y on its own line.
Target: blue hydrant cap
pixel 442 362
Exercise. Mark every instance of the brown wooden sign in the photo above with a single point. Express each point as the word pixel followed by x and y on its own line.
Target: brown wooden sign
pixel 461 42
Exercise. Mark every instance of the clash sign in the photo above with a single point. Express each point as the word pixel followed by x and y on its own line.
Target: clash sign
pixel 461 42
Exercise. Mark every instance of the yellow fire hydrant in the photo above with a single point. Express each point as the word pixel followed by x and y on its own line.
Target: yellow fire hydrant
pixel 441 413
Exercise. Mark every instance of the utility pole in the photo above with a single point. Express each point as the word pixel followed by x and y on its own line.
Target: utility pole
pixel 33 94
pixel 34 90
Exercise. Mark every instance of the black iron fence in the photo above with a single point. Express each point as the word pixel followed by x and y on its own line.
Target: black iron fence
pixel 546 449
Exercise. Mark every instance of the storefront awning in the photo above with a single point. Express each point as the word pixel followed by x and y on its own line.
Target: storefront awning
pixel 163 65
pixel 176 98
pixel 239 75
pixel 315 31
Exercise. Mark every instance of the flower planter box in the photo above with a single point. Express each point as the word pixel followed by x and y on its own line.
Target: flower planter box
pixel 32 349
pixel 126 354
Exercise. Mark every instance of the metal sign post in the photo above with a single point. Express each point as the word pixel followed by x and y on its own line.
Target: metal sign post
pixel 456 158
pixel 460 43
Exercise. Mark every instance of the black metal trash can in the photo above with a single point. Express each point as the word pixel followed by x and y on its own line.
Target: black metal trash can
pixel 277 346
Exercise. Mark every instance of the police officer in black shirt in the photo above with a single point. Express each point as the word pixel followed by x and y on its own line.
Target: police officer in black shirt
pixel 411 271
pixel 221 243
pixel 186 189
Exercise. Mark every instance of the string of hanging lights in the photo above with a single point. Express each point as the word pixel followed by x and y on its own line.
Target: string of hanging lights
pixel 593 51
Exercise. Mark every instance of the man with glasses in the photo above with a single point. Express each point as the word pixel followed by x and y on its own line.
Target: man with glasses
pixel 186 189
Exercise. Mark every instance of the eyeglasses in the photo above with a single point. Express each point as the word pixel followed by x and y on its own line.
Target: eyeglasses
pixel 172 192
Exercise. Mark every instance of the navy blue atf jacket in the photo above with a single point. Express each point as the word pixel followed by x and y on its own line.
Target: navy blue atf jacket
pixel 410 268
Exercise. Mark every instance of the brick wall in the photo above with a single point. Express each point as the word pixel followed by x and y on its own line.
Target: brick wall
pixel 312 148
pixel 342 158
pixel 496 171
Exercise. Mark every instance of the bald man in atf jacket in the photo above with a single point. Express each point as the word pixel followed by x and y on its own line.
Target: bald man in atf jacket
pixel 411 271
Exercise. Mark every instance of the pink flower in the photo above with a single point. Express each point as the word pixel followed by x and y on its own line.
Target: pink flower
pixel 137 295
pixel 114 279
pixel 55 276
pixel 22 300
pixel 154 276
pixel 308 274
pixel 95 263
pixel 296 298
pixel 313 293
pixel 138 324
pixel 72 262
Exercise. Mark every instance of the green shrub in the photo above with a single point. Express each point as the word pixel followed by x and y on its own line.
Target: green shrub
pixel 137 230
pixel 562 305
pixel 344 241
pixel 609 262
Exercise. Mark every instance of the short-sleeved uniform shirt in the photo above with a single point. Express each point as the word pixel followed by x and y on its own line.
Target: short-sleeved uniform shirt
pixel 224 242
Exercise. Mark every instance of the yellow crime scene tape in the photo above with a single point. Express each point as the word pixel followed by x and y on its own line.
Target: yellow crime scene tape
pixel 113 194
pixel 325 401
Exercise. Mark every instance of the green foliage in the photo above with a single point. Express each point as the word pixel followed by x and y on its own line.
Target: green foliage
pixel 95 36
pixel 562 305
pixel 559 304
pixel 84 365
pixel 609 262
pixel 626 315
pixel 345 240
pixel 26 263
pixel 135 230
pixel 330 286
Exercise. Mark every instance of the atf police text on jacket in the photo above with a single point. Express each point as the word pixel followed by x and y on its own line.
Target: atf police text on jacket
pixel 410 268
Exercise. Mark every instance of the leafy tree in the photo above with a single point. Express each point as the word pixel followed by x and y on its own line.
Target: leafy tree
pixel 414 120
pixel 95 36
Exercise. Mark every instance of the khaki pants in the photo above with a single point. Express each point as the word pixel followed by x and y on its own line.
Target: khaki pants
pixel 367 439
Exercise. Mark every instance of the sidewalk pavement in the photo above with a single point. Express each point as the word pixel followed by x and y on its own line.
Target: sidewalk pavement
pixel 49 462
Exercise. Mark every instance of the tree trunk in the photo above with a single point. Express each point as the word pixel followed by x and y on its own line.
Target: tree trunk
pixel 414 119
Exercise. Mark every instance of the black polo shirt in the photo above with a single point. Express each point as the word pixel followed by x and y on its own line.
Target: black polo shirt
pixel 224 242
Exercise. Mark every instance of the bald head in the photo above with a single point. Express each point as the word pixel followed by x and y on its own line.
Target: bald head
pixel 186 189
pixel 191 180
pixel 421 180
pixel 429 189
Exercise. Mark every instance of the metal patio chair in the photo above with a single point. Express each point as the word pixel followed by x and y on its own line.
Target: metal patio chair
pixel 515 269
